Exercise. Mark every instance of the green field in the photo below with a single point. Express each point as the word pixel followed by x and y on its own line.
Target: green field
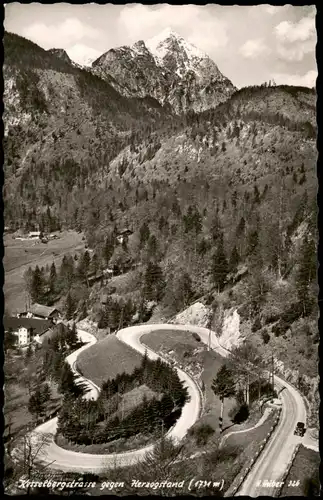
pixel 19 255
pixel 106 359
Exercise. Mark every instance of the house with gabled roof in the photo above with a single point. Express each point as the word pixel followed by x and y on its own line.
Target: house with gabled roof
pixel 39 311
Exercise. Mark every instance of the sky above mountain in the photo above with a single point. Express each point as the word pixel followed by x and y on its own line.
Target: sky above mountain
pixel 250 44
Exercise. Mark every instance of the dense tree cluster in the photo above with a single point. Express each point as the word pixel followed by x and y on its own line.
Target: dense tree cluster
pixel 116 314
pixel 54 350
pixel 53 368
pixel 38 401
pixel 101 421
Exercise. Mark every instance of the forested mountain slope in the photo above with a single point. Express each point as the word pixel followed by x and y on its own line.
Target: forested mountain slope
pixel 205 194
pixel 57 118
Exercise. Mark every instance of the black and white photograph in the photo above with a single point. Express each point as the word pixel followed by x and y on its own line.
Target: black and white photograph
pixel 160 320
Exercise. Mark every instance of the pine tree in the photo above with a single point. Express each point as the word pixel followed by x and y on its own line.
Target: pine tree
pixel 306 274
pixel 152 247
pixel 84 266
pixel 253 242
pixel 234 259
pixel 67 272
pixel 69 307
pixel 234 199
pixel 9 340
pixel 144 233
pixel 154 283
pixel 37 284
pixel 66 383
pixel 71 337
pixel 192 220
pixel 215 228
pixel 108 249
pixel 256 194
pixel 52 278
pixel 241 227
pixel 223 386
pixel 184 292
pixel 36 404
pixel 220 266
pixel 188 220
pixel 197 222
pixel 111 315
pixel 46 393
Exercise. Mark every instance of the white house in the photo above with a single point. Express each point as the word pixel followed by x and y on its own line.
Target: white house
pixel 26 329
pixel 24 335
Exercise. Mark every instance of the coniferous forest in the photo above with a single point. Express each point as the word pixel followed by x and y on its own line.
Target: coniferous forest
pixel 101 421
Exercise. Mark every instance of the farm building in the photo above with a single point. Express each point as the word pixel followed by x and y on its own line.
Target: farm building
pixel 44 312
pixel 26 329
pixel 38 311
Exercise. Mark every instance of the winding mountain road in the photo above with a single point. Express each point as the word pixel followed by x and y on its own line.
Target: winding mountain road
pixel 271 463
pixel 66 460
pixel 277 454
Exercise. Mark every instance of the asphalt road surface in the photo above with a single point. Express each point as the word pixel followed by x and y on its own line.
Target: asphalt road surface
pixel 276 455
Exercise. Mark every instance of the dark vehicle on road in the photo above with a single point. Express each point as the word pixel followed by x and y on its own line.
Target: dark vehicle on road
pixel 300 429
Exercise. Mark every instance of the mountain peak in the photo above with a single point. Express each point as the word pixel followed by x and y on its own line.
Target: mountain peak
pixel 61 53
pixel 168 68
pixel 169 41
pixel 139 47
pixel 161 37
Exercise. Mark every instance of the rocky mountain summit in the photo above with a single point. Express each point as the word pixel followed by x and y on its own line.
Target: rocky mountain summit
pixel 169 69
pixel 62 54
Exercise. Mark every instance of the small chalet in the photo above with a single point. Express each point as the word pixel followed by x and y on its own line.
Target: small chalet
pixel 26 329
pixel 38 311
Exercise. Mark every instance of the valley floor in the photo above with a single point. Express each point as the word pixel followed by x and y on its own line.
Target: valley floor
pixel 19 255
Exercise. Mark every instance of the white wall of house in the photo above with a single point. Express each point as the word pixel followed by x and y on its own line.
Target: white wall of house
pixel 23 336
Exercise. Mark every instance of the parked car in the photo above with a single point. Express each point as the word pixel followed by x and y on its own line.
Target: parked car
pixel 300 429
